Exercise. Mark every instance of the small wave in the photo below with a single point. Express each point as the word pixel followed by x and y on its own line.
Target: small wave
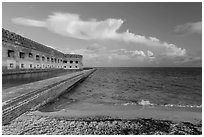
pixel 190 106
pixel 126 104
pixel 145 103
pixel 148 103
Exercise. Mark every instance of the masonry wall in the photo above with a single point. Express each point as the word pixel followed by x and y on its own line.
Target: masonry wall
pixel 20 53
pixel 36 94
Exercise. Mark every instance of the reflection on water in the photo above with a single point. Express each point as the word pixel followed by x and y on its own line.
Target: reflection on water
pixel 19 79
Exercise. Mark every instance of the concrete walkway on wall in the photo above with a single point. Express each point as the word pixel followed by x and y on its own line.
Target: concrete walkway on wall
pixel 18 100
pixel 14 92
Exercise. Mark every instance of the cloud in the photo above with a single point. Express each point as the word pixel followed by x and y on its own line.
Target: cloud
pixel 150 54
pixel 98 55
pixel 118 56
pixel 92 51
pixel 131 53
pixel 134 56
pixel 115 57
pixel 71 25
pixel 29 22
pixel 95 48
pixel 173 51
pixel 195 27
pixel 98 51
pixel 190 59
pixel 154 39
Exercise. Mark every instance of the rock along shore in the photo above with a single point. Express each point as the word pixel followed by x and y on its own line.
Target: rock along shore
pixel 31 124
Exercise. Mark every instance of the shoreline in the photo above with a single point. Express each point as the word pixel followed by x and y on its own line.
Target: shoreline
pixel 116 111
pixel 87 119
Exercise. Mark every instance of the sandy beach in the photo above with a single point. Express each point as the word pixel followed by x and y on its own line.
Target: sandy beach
pixel 109 119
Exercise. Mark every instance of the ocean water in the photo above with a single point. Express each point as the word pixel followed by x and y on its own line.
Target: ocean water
pixel 179 87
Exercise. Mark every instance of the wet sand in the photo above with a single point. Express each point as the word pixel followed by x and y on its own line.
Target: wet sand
pixel 117 111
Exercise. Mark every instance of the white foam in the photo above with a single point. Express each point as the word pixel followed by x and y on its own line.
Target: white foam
pixel 145 103
pixel 148 103
pixel 191 106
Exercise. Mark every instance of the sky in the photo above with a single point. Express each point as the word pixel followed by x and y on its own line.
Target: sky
pixel 114 34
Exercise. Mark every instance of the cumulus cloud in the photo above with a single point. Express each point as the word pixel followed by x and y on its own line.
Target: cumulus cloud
pixel 191 27
pixel 98 55
pixel 129 55
pixel 97 51
pixel 150 54
pixel 154 39
pixel 132 53
pixel 71 25
pixel 173 51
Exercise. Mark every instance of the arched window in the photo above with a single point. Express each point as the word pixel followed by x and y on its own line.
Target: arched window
pixel 43 58
pixel 37 57
pixel 30 55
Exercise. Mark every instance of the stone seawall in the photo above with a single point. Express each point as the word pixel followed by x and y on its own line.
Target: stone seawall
pixel 25 71
pixel 18 100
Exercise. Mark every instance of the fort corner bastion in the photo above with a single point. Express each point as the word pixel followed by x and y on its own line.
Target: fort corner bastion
pixel 22 54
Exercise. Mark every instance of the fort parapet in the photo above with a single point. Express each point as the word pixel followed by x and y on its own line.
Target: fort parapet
pixel 27 97
pixel 22 54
